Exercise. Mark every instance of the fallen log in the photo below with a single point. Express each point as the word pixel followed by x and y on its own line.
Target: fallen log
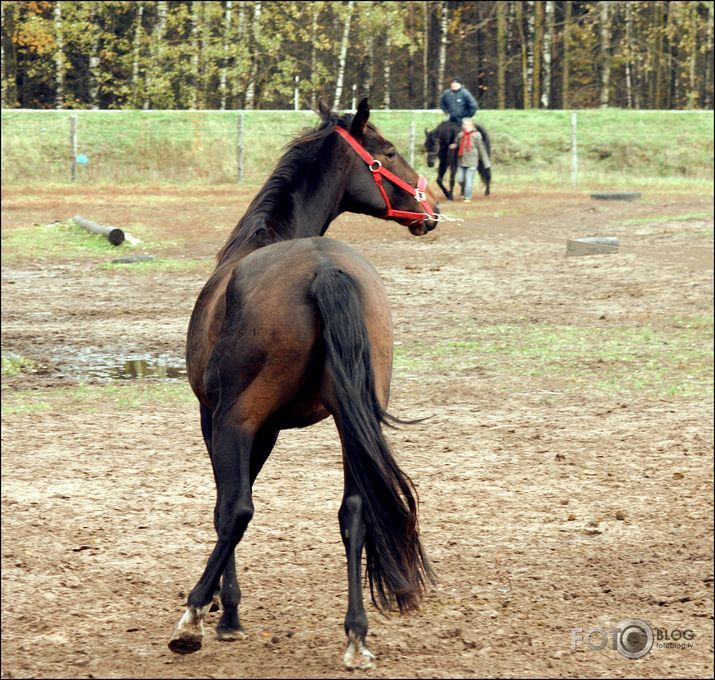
pixel 113 234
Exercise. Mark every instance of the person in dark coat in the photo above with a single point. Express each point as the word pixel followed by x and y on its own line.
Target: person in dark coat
pixel 458 102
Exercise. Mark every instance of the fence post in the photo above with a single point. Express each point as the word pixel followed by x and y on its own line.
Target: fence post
pixel 239 148
pixel 413 135
pixel 574 152
pixel 73 146
pixel 296 94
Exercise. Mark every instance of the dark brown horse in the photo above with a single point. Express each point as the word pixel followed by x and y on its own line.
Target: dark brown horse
pixel 292 328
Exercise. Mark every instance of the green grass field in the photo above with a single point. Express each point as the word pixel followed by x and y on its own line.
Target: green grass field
pixel 617 149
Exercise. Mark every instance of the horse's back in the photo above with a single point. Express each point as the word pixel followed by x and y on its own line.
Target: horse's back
pixel 268 351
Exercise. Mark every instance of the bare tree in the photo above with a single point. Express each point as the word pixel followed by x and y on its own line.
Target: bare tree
pixel 59 57
pixel 343 55
pixel 605 21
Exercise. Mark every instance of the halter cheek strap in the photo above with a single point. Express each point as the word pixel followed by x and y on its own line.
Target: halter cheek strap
pixel 379 171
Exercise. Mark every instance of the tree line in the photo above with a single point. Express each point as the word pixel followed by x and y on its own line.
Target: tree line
pixel 231 54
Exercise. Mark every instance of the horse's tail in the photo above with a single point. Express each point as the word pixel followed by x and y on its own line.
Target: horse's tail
pixel 485 138
pixel 397 568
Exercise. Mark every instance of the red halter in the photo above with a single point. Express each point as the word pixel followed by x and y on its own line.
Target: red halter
pixel 379 171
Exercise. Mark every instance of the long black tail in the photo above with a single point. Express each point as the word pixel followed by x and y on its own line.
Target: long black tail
pixel 397 568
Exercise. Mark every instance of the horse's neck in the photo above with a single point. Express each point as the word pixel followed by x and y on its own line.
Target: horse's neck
pixel 292 205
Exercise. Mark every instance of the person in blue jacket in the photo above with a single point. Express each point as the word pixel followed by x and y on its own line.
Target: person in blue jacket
pixel 458 102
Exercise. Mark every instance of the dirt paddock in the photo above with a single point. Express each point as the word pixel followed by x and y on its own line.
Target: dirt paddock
pixel 555 495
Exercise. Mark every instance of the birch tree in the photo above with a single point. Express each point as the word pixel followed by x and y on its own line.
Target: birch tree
pixel 629 55
pixel 566 57
pixel 443 35
pixel 59 57
pixel 425 54
pixel 136 52
pixel 255 34
pixel 94 60
pixel 501 54
pixel 548 39
pixel 536 49
pixel 225 55
pixel 343 55
pixel 605 56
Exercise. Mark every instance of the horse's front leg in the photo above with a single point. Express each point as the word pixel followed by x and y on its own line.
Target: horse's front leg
pixel 231 448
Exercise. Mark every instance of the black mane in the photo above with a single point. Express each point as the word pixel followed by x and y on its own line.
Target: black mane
pixel 267 218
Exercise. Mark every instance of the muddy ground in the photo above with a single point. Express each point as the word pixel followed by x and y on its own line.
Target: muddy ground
pixel 550 500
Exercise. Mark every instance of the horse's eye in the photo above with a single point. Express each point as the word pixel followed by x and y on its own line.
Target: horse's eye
pixel 391 153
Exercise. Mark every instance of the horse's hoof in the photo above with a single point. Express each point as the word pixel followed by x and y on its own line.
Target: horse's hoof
pixel 357 656
pixel 230 634
pixel 185 643
pixel 189 631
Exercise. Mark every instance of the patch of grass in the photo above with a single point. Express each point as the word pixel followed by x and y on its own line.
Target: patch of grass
pixel 68 241
pixel 93 398
pixel 657 219
pixel 618 149
pixel 672 361
pixel 65 240
pixel 14 364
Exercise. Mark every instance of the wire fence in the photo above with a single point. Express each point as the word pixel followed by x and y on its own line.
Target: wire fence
pixel 224 147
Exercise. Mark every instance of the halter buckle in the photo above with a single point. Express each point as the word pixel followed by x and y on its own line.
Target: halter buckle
pixel 375 166
pixel 420 196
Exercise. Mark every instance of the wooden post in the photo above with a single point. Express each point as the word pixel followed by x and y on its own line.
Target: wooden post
pixel 73 146
pixel 413 135
pixel 296 94
pixel 239 148
pixel 574 152
pixel 114 235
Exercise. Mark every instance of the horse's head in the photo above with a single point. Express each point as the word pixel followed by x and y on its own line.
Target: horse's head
pixel 379 181
pixel 431 146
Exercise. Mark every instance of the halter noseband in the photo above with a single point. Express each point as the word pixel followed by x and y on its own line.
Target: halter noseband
pixel 379 171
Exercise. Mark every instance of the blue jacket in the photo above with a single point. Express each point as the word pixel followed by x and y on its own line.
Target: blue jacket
pixel 459 104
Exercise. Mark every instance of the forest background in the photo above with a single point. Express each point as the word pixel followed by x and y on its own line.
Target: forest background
pixel 281 55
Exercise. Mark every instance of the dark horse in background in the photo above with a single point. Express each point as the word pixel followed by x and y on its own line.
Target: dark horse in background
pixel 292 328
pixel 437 143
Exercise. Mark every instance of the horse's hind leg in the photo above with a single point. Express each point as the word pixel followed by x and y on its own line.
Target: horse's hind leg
pixel 486 175
pixel 352 529
pixel 231 448
pixel 353 533
pixel 229 627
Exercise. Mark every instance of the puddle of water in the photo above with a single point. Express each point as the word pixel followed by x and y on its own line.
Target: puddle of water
pixel 143 368
pixel 96 364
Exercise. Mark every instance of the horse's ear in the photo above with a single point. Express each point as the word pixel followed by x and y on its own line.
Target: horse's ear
pixel 357 127
pixel 323 109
